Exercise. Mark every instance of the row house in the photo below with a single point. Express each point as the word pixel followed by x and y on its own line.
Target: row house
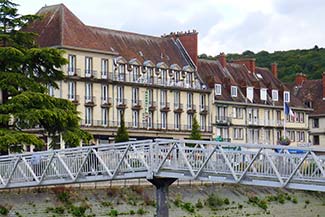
pixel 312 93
pixel 151 80
pixel 247 103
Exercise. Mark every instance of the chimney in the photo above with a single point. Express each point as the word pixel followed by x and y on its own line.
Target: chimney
pixel 323 79
pixel 300 78
pixel 222 59
pixel 274 69
pixel 248 62
pixel 189 42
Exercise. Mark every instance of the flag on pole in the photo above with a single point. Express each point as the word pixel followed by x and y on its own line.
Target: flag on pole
pixel 288 110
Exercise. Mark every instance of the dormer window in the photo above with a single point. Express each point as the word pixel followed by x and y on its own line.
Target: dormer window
pixel 250 93
pixel 286 96
pixel 264 94
pixel 233 91
pixel 217 89
pixel 275 95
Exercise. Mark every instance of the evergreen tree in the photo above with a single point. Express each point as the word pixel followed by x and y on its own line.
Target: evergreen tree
pixel 195 133
pixel 122 134
pixel 26 72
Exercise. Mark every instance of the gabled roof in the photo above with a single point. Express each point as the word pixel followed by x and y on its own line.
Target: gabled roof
pixel 60 27
pixel 311 91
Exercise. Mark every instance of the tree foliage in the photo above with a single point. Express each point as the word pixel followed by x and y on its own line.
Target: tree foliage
pixel 308 61
pixel 196 132
pixel 122 134
pixel 26 71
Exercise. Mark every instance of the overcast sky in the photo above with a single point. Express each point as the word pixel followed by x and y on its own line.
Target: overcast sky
pixel 223 25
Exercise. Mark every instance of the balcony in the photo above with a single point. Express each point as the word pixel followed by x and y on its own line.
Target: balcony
pixel 164 106
pixel 74 98
pixel 152 105
pixel 90 73
pixel 191 109
pixel 106 102
pixel 222 120
pixel 121 103
pixel 178 107
pixel 73 72
pixel 203 109
pixel 136 104
pixel 90 101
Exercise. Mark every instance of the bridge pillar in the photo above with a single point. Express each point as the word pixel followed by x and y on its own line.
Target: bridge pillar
pixel 162 185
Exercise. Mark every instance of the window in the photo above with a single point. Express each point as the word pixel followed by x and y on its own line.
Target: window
pixel 135 73
pixel 135 96
pixel 238 133
pixel 189 100
pixel 119 117
pixel 250 93
pixel 150 120
pixel 72 90
pixel 88 92
pixel 217 89
pixel 163 75
pixel 104 93
pixel 88 66
pixel 202 102
pixel 150 97
pixel 177 121
pixel 135 118
pixel 252 115
pixel 315 123
pixel 121 72
pixel 267 117
pixel 253 136
pixel 300 136
pixel 263 94
pixel 104 68
pixel 104 117
pixel 237 112
pixel 291 134
pixel 120 95
pixel 233 91
pixel 189 121
pixel 50 90
pixel 88 116
pixel 286 96
pixel 275 95
pixel 301 117
pixel 223 132
pixel 163 98
pixel 71 64
pixel 203 122
pixel 163 120
pixel 315 140
pixel 177 99
pixel 222 114
pixel 267 136
pixel 188 80
pixel 149 75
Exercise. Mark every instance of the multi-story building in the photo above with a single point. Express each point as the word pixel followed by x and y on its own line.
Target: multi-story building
pixel 312 92
pixel 247 104
pixel 151 80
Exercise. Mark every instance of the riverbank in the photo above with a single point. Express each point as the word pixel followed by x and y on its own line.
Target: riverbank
pixel 206 200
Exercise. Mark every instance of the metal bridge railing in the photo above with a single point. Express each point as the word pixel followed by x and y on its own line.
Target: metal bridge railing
pixel 275 166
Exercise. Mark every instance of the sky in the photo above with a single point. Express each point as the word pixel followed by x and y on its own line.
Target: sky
pixel 230 26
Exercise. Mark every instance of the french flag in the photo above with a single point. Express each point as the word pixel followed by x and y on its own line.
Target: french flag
pixel 288 110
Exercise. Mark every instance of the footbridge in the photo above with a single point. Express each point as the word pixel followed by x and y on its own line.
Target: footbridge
pixel 163 161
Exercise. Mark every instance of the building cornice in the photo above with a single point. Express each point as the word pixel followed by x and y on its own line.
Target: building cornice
pixel 85 49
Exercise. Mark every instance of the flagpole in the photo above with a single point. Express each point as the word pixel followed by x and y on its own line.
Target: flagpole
pixel 284 119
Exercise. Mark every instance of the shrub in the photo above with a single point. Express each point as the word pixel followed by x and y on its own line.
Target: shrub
pixel 307 202
pixel 188 207
pixel 199 204
pixel 178 200
pixel 141 211
pixel 113 212
pixel 214 201
pixel 3 210
pixel 262 204
pixel 226 201
pixel 132 212
pixel 295 200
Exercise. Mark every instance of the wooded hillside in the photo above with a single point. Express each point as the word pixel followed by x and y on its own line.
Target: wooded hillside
pixel 309 61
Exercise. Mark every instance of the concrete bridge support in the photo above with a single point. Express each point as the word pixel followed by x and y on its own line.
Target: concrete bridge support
pixel 162 185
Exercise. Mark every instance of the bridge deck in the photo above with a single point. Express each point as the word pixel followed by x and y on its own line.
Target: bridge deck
pixel 274 166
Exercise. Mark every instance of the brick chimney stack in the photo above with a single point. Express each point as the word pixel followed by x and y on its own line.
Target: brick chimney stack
pixel 323 79
pixel 222 59
pixel 189 40
pixel 274 69
pixel 248 62
pixel 300 78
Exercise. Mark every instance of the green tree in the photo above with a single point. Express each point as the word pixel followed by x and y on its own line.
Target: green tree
pixel 122 134
pixel 26 72
pixel 196 132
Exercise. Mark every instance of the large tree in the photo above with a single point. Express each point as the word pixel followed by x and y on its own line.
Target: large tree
pixel 26 71
pixel 122 134
pixel 196 132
